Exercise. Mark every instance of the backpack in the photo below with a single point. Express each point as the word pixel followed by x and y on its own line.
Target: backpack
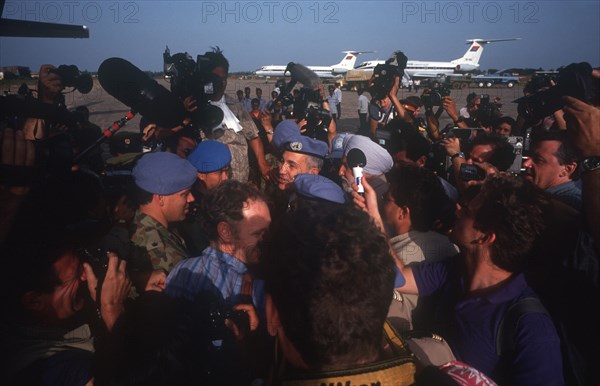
pixel 505 339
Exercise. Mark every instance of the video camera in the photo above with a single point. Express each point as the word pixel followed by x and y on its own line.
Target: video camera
pixel 384 75
pixel 574 80
pixel 308 104
pixel 433 97
pixel 487 111
pixel 195 79
pixel 72 77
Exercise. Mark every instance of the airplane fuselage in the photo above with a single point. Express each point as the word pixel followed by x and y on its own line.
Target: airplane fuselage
pixel 321 71
pixel 418 68
pixel 333 71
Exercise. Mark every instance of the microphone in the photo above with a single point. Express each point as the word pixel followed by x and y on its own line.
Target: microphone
pixel 304 75
pixel 356 159
pixel 138 91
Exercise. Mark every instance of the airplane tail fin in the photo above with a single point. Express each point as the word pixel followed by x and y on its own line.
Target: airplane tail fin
pixel 474 52
pixel 348 60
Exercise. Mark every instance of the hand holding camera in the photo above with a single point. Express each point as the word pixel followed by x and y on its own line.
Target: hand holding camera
pixel 110 288
pixel 242 320
pixel 583 121
pixel 475 173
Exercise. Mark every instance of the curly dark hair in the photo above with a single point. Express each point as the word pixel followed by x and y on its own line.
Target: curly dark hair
pixel 421 191
pixel 503 154
pixel 330 275
pixel 512 208
pixel 226 203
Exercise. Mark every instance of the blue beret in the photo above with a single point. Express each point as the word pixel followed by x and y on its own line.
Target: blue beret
pixel 210 156
pixel 163 173
pixel 337 146
pixel 319 187
pixel 286 131
pixel 307 145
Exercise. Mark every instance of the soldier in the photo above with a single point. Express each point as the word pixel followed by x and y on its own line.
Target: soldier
pixel 163 183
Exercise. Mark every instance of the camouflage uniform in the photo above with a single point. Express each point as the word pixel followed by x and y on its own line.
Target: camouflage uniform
pixel 164 249
pixel 238 142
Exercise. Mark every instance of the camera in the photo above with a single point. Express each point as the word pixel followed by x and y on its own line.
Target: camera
pixel 434 96
pixel 574 80
pixel 487 111
pixel 72 77
pixel 97 258
pixel 308 104
pixel 195 79
pixel 215 314
pixel 385 74
pixel 470 172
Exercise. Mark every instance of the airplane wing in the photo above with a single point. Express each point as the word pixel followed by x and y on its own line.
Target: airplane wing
pixel 487 41
pixel 34 29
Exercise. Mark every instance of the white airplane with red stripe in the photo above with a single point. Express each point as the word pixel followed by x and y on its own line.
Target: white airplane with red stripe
pixel 333 71
pixel 428 69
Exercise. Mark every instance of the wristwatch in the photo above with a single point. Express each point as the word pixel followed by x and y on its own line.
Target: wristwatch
pixel 590 163
pixel 459 154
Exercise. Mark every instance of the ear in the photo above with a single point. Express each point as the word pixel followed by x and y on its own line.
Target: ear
pixel 313 170
pixel 570 168
pixel 158 199
pixel 201 176
pixel 404 213
pixel 224 232
pixel 422 160
pixel 32 301
pixel 488 238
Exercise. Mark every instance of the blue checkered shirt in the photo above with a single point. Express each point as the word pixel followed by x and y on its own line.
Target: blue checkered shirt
pixel 214 271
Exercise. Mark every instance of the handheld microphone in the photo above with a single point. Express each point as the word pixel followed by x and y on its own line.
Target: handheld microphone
pixel 356 159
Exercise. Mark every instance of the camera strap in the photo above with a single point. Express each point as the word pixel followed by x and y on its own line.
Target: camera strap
pixel 246 290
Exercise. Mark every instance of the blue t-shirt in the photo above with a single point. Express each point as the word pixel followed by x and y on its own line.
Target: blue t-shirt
pixel 470 325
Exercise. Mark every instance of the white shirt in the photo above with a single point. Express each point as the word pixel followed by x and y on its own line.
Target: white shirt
pixel 230 121
pixel 363 104
pixel 338 94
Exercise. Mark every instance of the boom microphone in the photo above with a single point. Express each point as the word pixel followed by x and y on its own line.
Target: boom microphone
pixel 135 89
pixel 357 160
pixel 303 74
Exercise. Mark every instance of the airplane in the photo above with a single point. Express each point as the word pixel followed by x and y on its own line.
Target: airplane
pixel 333 71
pixel 427 69
pixel 37 29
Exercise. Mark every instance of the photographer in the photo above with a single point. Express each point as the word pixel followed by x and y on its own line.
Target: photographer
pixel 49 90
pixel 53 319
pixel 239 129
pixel 489 153
pixel 48 111
pixel 384 108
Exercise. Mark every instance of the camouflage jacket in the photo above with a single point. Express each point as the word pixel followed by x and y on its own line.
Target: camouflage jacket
pixel 238 142
pixel 164 249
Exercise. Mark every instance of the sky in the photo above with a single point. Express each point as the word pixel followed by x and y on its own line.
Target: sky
pixel 257 33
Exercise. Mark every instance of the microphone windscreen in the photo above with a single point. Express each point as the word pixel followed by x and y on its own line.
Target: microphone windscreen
pixel 137 90
pixel 304 75
pixel 356 157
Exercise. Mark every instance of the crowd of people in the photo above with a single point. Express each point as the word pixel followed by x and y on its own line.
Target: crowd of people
pixel 270 249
